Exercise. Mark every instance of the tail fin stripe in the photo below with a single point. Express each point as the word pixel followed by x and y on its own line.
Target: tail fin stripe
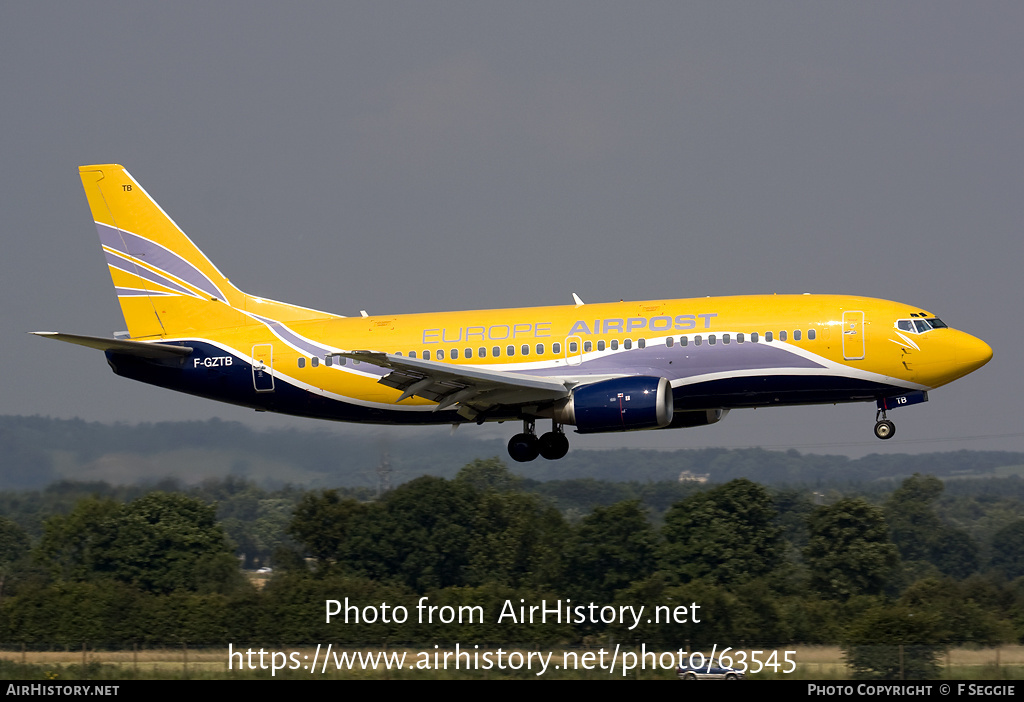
pixel 138 292
pixel 174 224
pixel 117 263
pixel 158 257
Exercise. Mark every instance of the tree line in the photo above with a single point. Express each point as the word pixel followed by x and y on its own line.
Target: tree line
pixel 766 567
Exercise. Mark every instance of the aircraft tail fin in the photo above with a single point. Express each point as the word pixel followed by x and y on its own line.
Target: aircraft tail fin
pixel 166 286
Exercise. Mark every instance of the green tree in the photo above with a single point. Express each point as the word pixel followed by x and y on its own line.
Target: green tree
pixel 848 551
pixel 159 543
pixel 13 547
pixel 517 541
pixel 727 535
pixel 1008 550
pixel 920 535
pixel 611 547
pixel 488 474
pixel 70 544
pixel 420 534
pixel 894 642
pixel 164 542
pixel 963 616
pixel 323 522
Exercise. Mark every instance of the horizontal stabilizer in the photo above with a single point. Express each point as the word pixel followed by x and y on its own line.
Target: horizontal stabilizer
pixel 143 349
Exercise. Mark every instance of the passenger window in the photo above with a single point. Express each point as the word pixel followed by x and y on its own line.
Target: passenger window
pixel 697 340
pixel 739 338
pixel 796 335
pixel 302 362
pixel 469 353
pixel 615 344
pixel 525 349
pixel 556 347
pixel 540 349
pixel 496 351
pixel 573 346
pixel 412 354
pixel 811 334
pixel 600 345
pixel 669 341
pixel 440 354
pixel 510 350
pixel 683 341
pixel 329 360
pixel 782 335
pixel 588 346
pixel 753 337
pixel 627 344
pixel 426 355
pixel 767 336
pixel 711 339
pixel 725 338
pixel 315 361
pixel 482 352
pixel 454 354
pixel 642 343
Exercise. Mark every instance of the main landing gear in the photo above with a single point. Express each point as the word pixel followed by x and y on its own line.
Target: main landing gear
pixel 526 446
pixel 884 429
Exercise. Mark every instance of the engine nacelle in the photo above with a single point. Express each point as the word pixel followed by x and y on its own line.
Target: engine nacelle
pixel 619 404
pixel 696 418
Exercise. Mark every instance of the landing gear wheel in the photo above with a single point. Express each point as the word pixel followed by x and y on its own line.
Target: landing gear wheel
pixel 523 447
pixel 553 445
pixel 885 429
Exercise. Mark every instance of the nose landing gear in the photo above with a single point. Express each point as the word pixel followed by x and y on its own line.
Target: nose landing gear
pixel 884 428
pixel 526 446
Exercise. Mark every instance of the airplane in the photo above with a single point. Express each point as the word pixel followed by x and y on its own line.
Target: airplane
pixel 607 367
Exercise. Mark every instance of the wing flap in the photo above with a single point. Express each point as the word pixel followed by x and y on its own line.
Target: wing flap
pixel 449 384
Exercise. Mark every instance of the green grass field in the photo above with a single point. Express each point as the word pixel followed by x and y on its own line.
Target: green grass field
pixel 812 663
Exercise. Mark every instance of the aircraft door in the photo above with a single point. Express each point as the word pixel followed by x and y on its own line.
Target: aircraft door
pixel 574 350
pixel 263 367
pixel 853 335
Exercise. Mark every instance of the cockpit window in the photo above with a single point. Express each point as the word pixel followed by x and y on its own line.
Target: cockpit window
pixel 920 326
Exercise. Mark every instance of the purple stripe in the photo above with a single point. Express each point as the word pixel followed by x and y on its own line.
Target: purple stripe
pixel 292 338
pixel 135 292
pixel 311 349
pixel 688 361
pixel 146 274
pixel 158 257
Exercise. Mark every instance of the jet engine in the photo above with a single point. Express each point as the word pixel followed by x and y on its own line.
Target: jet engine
pixel 619 404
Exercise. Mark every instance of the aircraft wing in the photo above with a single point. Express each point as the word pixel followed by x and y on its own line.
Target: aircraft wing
pixel 447 384
pixel 143 349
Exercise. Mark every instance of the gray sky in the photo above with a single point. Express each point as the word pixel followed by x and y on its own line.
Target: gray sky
pixel 423 156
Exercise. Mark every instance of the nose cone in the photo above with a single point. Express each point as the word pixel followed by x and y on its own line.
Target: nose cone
pixel 971 353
